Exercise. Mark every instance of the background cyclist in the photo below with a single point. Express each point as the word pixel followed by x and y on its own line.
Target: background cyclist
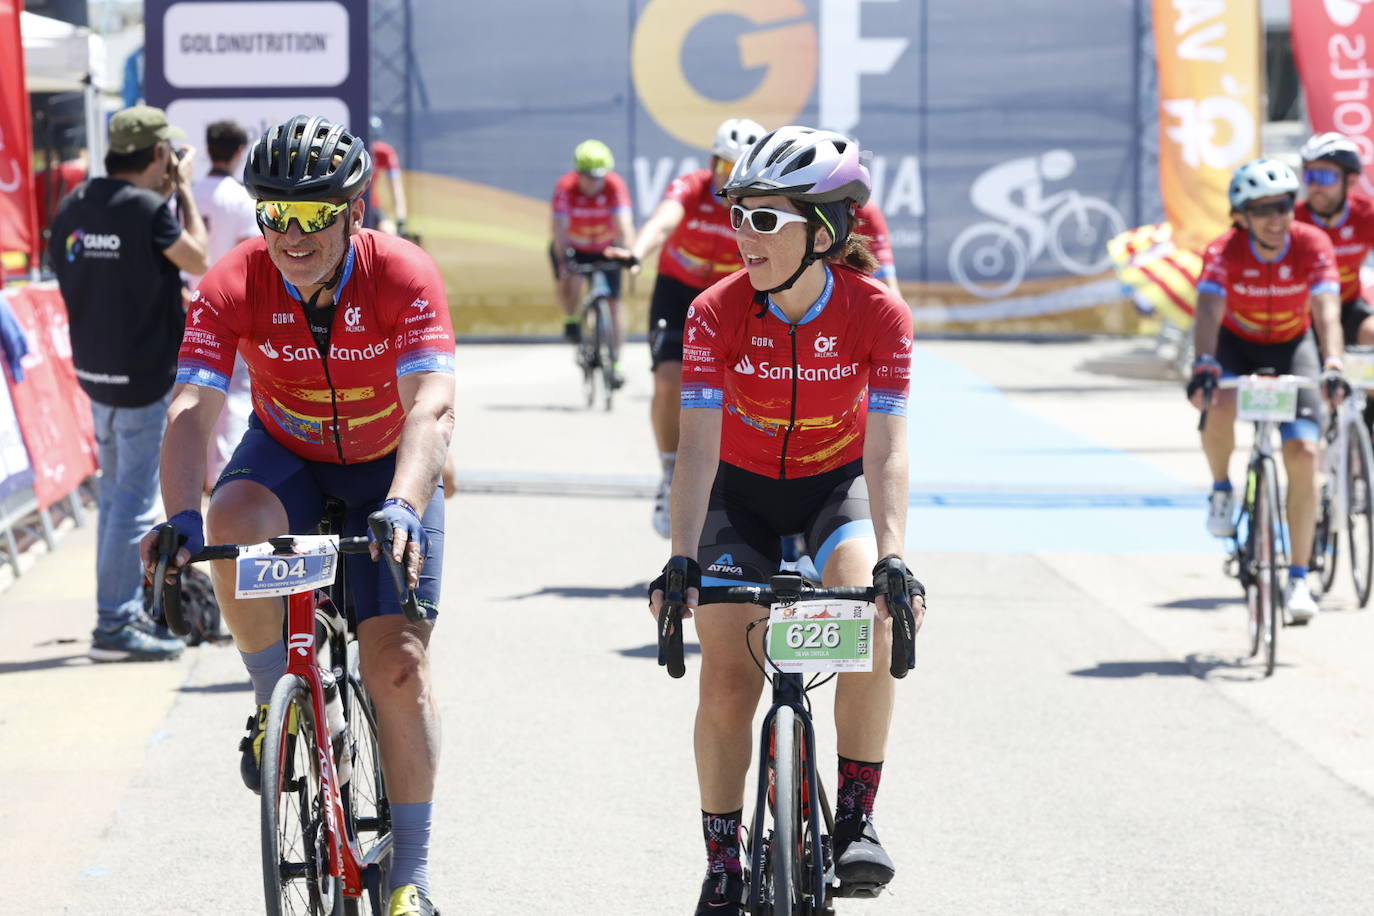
pixel 692 225
pixel 1331 168
pixel 367 423
pixel 794 391
pixel 1264 283
pixel 592 213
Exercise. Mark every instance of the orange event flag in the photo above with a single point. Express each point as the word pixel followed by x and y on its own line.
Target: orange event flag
pixel 1208 59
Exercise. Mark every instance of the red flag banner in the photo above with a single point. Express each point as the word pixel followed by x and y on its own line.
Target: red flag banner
pixel 54 413
pixel 1333 44
pixel 18 207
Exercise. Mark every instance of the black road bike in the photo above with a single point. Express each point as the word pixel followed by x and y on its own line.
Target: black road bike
pixel 790 856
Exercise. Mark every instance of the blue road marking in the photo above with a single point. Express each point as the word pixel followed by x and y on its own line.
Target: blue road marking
pixel 988 477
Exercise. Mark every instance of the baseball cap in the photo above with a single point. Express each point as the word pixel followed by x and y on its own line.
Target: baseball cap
pixel 139 127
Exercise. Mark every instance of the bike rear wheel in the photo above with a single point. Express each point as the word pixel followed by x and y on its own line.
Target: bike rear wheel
pixel 1359 468
pixel 783 861
pixel 295 840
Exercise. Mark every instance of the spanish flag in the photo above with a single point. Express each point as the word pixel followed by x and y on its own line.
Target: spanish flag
pixel 1157 272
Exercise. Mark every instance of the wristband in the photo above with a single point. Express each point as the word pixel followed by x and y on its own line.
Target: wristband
pixel 403 503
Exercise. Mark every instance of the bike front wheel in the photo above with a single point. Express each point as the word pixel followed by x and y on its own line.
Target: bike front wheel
pixel 606 354
pixel 1268 550
pixel 782 849
pixel 1359 468
pixel 589 352
pixel 295 830
pixel 364 796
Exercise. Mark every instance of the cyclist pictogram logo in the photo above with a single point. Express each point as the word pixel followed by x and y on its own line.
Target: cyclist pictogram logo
pixel 990 258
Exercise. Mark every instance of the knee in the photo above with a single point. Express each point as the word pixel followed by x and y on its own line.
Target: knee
pixel 239 517
pixel 397 670
pixel 730 692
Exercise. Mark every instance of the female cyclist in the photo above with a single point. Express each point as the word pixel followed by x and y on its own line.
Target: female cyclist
pixel 794 382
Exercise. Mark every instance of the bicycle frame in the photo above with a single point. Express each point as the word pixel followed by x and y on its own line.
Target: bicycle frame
pixel 345 855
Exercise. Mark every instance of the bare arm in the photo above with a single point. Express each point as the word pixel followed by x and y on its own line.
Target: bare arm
pixel 1326 315
pixel 560 241
pixel 885 471
pixel 656 231
pixel 398 195
pixel 625 229
pixel 189 251
pixel 428 401
pixel 698 456
pixel 1207 323
pixel 190 420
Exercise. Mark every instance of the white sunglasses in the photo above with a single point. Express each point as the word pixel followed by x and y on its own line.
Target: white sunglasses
pixel 762 219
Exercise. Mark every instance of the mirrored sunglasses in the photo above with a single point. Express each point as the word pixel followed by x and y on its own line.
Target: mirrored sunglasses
pixel 1275 208
pixel 1322 178
pixel 312 215
pixel 762 219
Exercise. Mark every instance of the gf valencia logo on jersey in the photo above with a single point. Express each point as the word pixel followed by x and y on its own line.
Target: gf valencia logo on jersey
pixel 802 48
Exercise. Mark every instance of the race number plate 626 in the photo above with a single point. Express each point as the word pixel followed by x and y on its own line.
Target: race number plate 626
pixel 822 635
pixel 266 576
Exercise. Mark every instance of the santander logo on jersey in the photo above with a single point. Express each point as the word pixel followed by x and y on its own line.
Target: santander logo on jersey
pixel 775 373
pixel 290 354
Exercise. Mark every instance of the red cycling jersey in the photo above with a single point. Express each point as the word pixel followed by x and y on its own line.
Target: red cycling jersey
pixel 1267 301
pixel 797 396
pixel 702 248
pixel 1352 234
pixel 591 217
pixel 391 320
pixel 869 220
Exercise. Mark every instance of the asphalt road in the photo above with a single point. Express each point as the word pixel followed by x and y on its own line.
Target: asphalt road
pixel 1083 733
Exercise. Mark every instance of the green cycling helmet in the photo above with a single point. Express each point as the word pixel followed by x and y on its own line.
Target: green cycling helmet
pixel 592 157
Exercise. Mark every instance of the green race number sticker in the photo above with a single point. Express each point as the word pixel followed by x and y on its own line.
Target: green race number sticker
pixel 826 635
pixel 1263 398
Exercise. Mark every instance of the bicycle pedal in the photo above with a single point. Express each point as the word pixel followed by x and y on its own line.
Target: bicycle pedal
pixel 862 889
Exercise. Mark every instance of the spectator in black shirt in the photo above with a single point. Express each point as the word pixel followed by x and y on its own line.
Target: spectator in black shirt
pixel 116 247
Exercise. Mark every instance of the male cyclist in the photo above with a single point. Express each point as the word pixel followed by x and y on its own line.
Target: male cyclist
pixel 1331 168
pixel 1264 283
pixel 692 225
pixel 794 391
pixel 347 338
pixel 592 212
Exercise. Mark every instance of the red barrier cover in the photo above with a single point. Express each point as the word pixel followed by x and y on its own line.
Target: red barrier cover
pixel 1333 44
pixel 54 413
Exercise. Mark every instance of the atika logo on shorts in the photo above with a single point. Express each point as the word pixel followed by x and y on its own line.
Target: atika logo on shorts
pixel 725 563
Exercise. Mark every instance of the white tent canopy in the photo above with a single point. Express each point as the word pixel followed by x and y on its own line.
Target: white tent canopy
pixel 61 57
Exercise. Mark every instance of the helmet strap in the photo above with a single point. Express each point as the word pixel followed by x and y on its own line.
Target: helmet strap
pixel 809 258
pixel 333 280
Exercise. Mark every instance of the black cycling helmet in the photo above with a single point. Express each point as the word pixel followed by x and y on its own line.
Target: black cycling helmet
pixel 307 158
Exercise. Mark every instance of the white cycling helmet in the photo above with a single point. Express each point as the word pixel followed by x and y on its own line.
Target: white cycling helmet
pixel 1338 149
pixel 734 137
pixel 1261 178
pixel 803 163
